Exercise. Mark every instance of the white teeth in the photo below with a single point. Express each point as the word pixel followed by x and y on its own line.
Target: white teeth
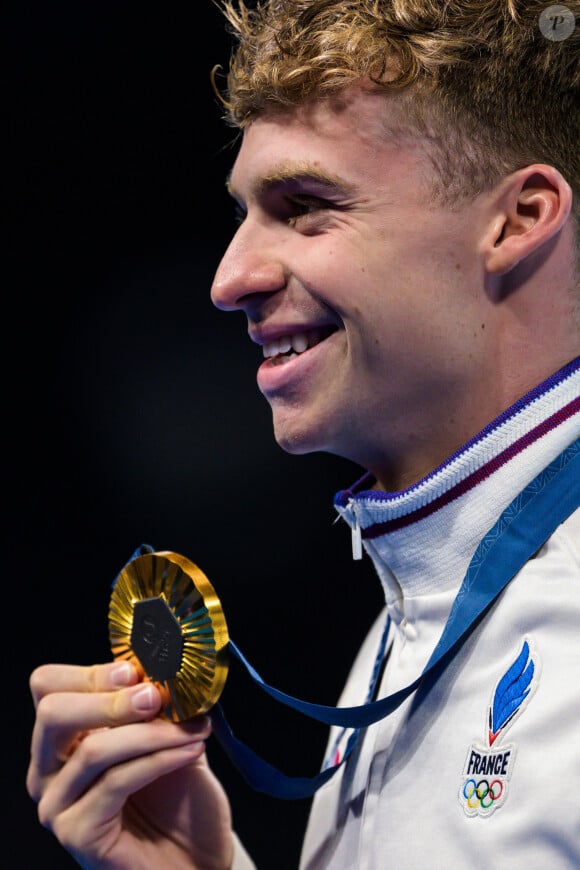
pixel 299 342
pixel 270 349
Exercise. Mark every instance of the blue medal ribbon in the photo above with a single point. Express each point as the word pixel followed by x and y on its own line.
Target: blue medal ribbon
pixel 523 527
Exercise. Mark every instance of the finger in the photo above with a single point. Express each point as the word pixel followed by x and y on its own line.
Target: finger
pixel 92 826
pixel 63 719
pixel 47 679
pixel 104 751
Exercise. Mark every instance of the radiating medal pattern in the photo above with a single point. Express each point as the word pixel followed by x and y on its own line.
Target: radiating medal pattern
pixel 165 618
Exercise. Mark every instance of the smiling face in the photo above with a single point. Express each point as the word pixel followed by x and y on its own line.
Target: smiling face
pixel 368 298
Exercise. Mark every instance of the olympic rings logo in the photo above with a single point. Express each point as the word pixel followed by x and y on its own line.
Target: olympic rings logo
pixel 483 793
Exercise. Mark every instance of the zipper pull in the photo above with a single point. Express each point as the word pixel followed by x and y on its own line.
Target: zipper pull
pixel 357 551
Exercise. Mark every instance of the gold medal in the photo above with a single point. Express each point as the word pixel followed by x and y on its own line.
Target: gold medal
pixel 166 619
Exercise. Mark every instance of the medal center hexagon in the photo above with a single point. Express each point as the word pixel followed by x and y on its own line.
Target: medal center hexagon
pixel 157 638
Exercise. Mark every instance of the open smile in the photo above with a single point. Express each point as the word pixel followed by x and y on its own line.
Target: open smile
pixel 291 360
pixel 288 347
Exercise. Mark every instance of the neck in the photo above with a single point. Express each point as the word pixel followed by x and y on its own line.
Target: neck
pixel 433 441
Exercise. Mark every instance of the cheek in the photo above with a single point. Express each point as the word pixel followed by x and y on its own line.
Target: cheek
pixel 337 266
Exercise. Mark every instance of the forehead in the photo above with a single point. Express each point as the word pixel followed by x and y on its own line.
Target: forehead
pixel 334 143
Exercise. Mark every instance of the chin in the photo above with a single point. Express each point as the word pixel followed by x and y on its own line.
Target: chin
pixel 296 442
pixel 313 421
pixel 296 438
pixel 301 434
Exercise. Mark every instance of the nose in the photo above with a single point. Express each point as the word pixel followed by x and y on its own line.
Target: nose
pixel 248 270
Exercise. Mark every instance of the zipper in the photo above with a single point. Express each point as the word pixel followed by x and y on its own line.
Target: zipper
pixel 356 537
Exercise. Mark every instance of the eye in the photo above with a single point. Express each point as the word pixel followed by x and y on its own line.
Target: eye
pixel 304 206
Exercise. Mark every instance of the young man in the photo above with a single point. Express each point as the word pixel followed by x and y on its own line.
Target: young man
pixel 408 181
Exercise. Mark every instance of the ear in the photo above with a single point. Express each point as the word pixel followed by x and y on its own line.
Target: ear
pixel 529 207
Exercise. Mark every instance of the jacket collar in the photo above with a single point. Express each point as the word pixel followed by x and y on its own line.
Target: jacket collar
pixel 422 539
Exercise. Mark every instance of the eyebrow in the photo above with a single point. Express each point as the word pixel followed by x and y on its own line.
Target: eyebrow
pixel 295 173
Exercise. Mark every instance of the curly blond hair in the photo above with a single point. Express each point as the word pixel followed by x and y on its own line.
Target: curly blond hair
pixel 478 78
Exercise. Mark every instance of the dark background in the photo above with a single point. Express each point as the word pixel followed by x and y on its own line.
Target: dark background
pixel 131 410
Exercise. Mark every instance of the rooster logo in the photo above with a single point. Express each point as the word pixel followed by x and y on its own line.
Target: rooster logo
pixel 488 768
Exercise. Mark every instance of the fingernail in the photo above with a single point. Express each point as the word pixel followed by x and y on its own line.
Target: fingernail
pixel 121 675
pixel 144 700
